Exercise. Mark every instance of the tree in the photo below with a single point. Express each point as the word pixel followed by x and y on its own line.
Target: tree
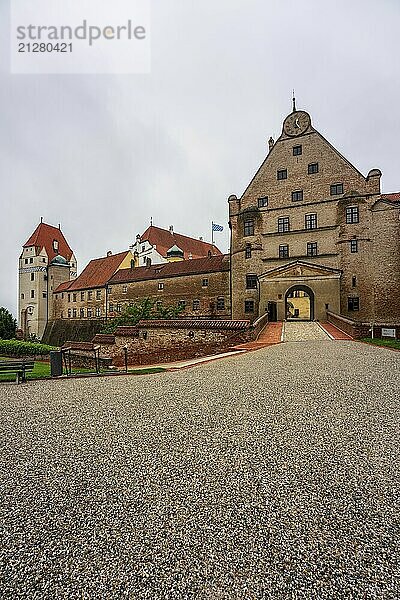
pixel 144 309
pixel 8 324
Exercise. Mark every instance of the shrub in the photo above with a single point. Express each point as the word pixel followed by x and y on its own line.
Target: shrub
pixel 8 324
pixel 16 348
pixel 145 309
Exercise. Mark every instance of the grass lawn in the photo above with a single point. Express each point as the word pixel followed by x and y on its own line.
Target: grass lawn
pixel 387 343
pixel 41 370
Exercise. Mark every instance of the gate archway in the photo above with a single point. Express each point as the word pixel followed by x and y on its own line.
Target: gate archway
pixel 299 303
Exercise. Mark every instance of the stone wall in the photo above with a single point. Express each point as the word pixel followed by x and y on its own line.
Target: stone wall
pixel 57 332
pixel 359 330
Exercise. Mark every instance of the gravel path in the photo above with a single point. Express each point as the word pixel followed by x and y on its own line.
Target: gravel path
pixel 274 474
pixel 303 331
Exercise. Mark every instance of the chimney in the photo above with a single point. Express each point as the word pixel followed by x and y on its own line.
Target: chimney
pixel 271 143
pixel 201 239
pixel 59 226
pixel 171 229
pixel 109 253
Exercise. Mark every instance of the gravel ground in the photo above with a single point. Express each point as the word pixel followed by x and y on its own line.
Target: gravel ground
pixel 273 474
pixel 303 331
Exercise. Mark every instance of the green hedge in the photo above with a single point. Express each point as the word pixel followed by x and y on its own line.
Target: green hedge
pixel 16 348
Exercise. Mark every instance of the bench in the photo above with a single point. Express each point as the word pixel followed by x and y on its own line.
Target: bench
pixel 19 367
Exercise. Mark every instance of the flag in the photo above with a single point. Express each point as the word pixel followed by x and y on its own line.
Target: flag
pixel 216 227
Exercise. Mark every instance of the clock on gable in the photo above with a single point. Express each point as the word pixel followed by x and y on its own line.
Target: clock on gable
pixel 296 123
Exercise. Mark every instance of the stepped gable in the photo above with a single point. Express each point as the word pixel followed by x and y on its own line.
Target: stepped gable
pixel 213 264
pixel 44 237
pixel 163 240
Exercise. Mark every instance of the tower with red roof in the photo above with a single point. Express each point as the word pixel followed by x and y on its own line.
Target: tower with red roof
pixel 46 261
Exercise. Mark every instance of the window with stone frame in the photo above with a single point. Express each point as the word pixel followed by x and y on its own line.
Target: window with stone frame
pixel 90 313
pixel 90 295
pixel 98 311
pixel 221 303
pixel 353 246
pixel 311 221
pixel 297 150
pixel 353 303
pixel 196 304
pixel 82 296
pixel 336 189
pixel 251 281
pixel 160 286
pixel 98 294
pixel 352 215
pixel 74 313
pixel 249 306
pixel 248 228
pixel 297 196
pixel 312 249
pixel 313 168
pixel 283 224
pixel 283 251
pixel 82 313
pixel 262 202
pixel 69 313
pixel 281 174
pixel 124 289
pixel 204 282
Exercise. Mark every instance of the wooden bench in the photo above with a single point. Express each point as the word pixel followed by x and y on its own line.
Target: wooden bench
pixel 19 367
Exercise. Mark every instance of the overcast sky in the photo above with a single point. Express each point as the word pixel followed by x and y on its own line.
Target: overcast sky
pixel 103 154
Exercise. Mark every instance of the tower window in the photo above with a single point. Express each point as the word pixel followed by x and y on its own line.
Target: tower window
pixel 312 249
pixel 353 281
pixel 32 276
pixel 251 282
pixel 249 227
pixel 313 168
pixel 82 296
pixel 353 246
pixel 263 202
pixel 297 150
pixel 353 303
pixel 352 215
pixel 283 251
pixel 32 293
pixel 311 221
pixel 336 189
pixel 281 174
pixel 248 251
pixel 297 196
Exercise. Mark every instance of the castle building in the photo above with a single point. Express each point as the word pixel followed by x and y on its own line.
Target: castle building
pixel 46 261
pixel 312 234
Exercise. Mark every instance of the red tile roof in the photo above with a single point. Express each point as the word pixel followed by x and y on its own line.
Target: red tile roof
pixel 44 236
pixel 163 239
pixel 391 197
pixel 96 274
pixel 64 286
pixel 197 266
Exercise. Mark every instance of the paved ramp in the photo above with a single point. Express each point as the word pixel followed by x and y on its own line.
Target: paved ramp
pixel 303 331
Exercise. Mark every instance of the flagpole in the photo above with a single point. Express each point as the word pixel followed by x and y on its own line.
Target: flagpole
pixel 212 233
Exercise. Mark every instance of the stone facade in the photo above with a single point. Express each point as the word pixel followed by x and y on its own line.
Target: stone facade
pixel 308 206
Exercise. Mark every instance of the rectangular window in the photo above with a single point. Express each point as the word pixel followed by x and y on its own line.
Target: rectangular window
pixel 69 313
pixel 44 295
pixel 281 174
pixel 312 249
pixel 74 297
pixel 196 304
pixel 32 276
pixel 90 295
pixel 90 312
pixel 221 303
pixel 263 202
pixel 98 311
pixel 352 215
pixel 82 296
pixel 249 227
pixel 354 281
pixel 297 196
pixel 297 150
pixel 74 313
pixel 283 251
pixel 251 282
pixel 98 294
pixel 204 283
pixel 311 221
pixel 69 297
pixel 283 224
pixel 160 286
pixel 248 251
pixel 32 293
pixel 22 296
pixel 124 289
pixel 313 168
pixel 110 308
pixel 353 246
pixel 353 303
pixel 82 313
pixel 336 189
pixel 249 306
pixel 118 308
pixel 26 261
pixel 31 260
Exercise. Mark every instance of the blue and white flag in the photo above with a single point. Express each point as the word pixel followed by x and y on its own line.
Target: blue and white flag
pixel 216 227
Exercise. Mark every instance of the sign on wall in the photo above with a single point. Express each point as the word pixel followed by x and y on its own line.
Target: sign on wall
pixel 386 332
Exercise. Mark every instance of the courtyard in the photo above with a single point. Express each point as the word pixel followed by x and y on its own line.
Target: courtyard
pixel 272 474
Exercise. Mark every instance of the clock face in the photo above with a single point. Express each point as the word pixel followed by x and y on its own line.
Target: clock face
pixel 296 123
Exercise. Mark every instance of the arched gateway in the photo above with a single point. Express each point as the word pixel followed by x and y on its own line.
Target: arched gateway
pixel 299 303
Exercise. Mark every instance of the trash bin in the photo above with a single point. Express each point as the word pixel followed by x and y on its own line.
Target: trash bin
pixel 56 366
